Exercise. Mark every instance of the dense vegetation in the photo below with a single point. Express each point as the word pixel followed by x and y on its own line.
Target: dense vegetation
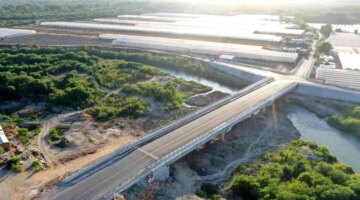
pixel 351 123
pixel 30 11
pixel 24 11
pixel 115 74
pixel 36 74
pixel 167 93
pixel 298 171
pixel 115 106
pixel 176 63
pixel 80 77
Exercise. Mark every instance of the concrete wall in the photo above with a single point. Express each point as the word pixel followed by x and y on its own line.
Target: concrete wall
pixel 328 92
pixel 236 72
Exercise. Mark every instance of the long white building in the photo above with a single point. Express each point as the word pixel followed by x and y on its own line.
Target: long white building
pixel 202 47
pixel 164 30
pixel 10 33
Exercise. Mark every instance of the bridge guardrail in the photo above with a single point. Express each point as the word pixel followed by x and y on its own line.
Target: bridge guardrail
pixel 85 172
pixel 202 139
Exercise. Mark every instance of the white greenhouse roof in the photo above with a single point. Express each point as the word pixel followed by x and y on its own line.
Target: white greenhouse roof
pixel 345 42
pixel 202 47
pixel 234 23
pixel 9 33
pixel 205 26
pixel 350 28
pixel 350 60
pixel 164 30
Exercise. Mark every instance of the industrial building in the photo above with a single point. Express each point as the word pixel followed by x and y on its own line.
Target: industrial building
pixel 202 47
pixel 10 33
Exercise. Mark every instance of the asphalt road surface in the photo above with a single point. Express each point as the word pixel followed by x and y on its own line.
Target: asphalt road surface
pixel 118 172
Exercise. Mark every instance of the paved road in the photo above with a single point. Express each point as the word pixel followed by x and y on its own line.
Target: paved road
pixel 115 174
pixel 306 68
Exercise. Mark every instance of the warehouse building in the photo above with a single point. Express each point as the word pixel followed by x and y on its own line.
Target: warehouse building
pixel 201 47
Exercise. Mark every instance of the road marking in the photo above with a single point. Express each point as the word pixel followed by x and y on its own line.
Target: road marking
pixel 147 153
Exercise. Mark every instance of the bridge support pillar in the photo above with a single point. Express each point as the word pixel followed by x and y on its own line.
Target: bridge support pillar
pixel 161 174
pixel 226 131
pixel 263 110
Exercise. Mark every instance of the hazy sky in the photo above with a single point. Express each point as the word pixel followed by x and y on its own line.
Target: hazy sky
pixel 273 1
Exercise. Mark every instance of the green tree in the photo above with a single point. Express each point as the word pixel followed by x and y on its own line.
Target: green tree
pixel 338 193
pixel 326 30
pixel 325 47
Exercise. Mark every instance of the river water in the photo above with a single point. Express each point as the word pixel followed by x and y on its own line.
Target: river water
pixel 344 146
pixel 189 77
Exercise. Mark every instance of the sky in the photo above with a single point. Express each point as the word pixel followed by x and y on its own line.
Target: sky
pixel 273 1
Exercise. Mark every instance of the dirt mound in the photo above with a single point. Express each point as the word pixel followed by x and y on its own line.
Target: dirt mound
pixel 204 100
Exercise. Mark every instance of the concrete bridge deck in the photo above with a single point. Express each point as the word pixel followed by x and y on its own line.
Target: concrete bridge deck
pixel 136 164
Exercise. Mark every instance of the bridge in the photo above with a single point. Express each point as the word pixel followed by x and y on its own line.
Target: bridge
pixel 148 158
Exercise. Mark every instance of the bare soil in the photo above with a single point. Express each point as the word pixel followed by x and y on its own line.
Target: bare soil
pixel 203 100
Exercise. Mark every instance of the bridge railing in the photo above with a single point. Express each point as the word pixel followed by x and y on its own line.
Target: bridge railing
pixel 87 171
pixel 190 146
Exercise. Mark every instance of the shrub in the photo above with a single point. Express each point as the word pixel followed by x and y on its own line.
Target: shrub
pixel 2 151
pixel 24 135
pixel 54 136
pixel 14 164
pixel 245 186
pixel 207 190
pixel 37 165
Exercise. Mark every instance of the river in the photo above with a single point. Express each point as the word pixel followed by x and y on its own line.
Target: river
pixel 189 77
pixel 344 146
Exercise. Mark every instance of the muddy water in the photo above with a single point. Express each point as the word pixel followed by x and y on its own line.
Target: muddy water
pixel 189 77
pixel 344 146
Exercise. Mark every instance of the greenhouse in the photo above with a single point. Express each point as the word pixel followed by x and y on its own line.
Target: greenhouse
pixel 185 32
pixel 202 47
pixel 10 33
pixel 350 60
